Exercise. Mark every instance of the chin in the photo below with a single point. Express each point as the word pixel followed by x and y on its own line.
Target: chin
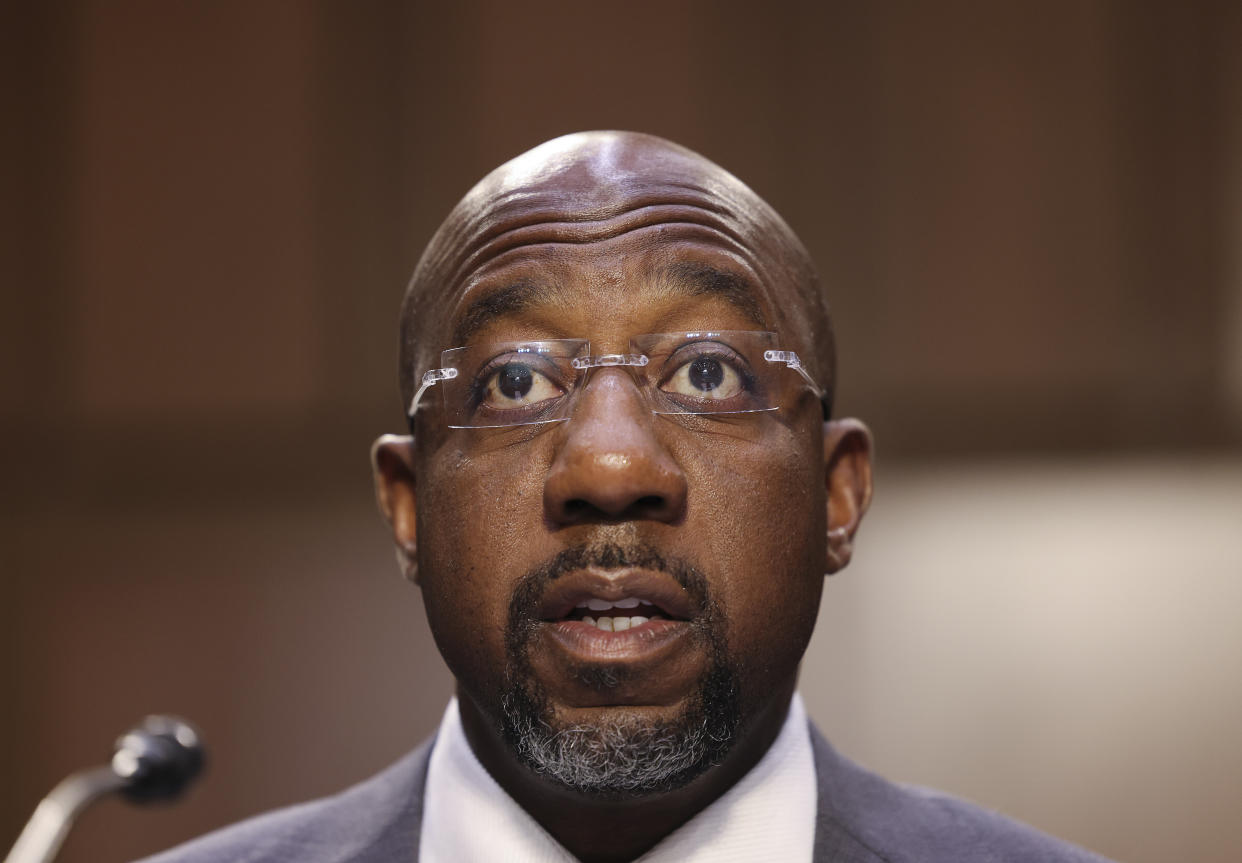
pixel 620 755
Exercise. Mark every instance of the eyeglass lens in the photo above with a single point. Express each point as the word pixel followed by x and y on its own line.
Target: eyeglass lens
pixel 521 383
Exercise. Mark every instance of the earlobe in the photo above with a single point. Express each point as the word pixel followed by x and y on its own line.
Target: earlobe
pixel 392 463
pixel 847 476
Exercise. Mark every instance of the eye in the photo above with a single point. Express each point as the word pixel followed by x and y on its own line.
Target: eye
pixel 517 385
pixel 705 377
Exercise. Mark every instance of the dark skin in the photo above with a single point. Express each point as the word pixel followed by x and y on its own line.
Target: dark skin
pixel 610 235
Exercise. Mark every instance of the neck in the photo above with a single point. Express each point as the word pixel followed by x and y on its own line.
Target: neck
pixel 599 830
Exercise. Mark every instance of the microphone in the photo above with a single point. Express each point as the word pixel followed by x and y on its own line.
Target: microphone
pixel 157 760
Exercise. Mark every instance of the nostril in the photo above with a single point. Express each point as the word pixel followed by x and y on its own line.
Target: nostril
pixel 577 506
pixel 579 509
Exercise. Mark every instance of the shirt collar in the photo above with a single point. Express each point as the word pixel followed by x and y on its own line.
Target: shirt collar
pixel 768 815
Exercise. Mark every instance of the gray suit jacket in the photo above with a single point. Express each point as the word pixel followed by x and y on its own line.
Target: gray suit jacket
pixel 862 818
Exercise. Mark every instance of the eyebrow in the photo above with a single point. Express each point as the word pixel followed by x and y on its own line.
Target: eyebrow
pixel 506 301
pixel 705 280
pixel 693 279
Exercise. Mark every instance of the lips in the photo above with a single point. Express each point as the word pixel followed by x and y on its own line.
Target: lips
pixel 614 593
pixel 625 615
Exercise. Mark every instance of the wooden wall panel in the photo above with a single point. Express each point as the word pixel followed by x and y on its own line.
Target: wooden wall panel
pixel 196 211
pixel 1026 214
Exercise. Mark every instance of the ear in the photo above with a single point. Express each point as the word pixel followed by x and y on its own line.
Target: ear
pixel 847 474
pixel 392 461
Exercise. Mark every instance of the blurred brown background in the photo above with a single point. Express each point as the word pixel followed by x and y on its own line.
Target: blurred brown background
pixel 1030 216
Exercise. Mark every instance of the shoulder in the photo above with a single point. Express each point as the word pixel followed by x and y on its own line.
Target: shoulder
pixel 378 819
pixel 868 819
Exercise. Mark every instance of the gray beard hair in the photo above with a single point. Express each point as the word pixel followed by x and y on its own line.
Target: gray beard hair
pixel 622 759
pixel 630 758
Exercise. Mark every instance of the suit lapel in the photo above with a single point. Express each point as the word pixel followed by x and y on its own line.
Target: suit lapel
pixel 834 842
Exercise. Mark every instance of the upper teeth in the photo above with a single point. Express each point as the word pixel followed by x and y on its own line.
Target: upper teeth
pixel 604 604
pixel 619 623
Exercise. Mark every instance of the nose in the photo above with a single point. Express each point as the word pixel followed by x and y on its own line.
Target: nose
pixel 611 467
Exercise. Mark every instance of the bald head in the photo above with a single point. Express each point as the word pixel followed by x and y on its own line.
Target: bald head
pixel 592 187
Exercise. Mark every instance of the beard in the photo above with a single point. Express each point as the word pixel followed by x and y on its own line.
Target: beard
pixel 626 757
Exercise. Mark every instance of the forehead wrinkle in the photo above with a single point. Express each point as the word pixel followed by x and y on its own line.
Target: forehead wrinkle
pixel 693 278
pixel 496 211
pixel 490 243
pixel 684 279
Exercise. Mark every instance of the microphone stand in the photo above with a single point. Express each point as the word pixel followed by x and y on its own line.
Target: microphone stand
pixel 55 814
pixel 155 761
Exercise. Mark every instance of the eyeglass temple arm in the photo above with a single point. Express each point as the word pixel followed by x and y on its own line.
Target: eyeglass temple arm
pixel 791 359
pixel 431 378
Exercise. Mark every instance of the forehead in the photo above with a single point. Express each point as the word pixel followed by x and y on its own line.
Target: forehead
pixel 653 279
pixel 619 225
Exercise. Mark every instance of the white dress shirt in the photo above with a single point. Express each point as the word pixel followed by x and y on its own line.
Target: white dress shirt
pixel 768 815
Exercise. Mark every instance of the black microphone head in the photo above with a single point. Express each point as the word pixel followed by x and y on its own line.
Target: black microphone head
pixel 158 759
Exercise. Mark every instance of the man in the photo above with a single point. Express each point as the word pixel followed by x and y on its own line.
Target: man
pixel 621 492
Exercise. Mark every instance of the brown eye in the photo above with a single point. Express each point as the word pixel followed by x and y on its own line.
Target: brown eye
pixel 514 381
pixel 704 377
pixel 705 374
pixel 517 385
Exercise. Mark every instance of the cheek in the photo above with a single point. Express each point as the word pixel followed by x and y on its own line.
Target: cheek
pixel 474 523
pixel 763 524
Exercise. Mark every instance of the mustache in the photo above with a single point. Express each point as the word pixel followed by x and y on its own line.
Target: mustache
pixel 606 555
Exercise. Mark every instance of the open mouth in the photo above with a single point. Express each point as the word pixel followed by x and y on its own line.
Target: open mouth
pixel 642 620
pixel 616 601
pixel 617 615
